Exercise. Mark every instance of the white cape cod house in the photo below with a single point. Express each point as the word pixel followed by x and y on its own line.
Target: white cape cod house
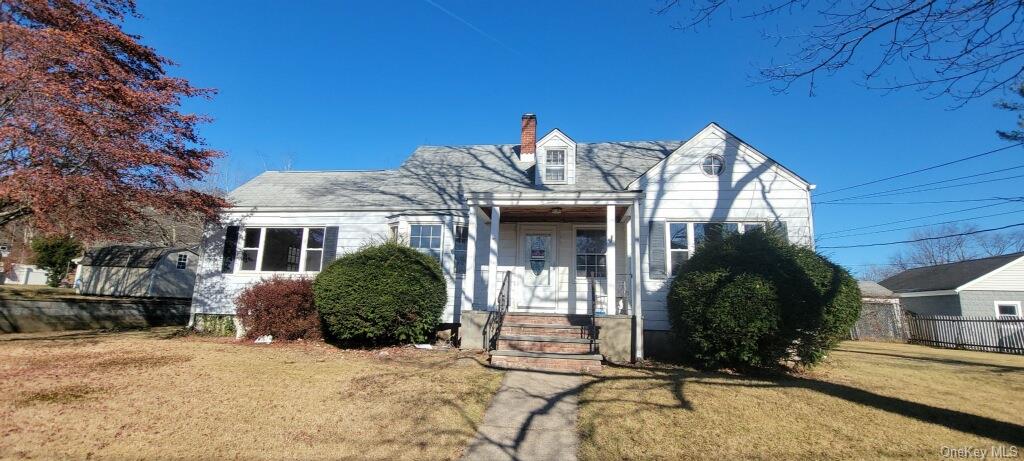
pixel 532 237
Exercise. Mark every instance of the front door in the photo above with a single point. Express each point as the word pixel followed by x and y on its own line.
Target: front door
pixel 539 287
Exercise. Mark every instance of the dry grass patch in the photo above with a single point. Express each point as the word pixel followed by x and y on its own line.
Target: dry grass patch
pixel 146 395
pixel 867 401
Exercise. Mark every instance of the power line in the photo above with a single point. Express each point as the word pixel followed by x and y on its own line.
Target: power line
pixel 912 219
pixel 886 192
pixel 876 181
pixel 929 202
pixel 893 191
pixel 921 239
pixel 922 225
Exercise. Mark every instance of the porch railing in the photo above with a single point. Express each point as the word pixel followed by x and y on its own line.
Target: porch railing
pixel 492 329
pixel 598 301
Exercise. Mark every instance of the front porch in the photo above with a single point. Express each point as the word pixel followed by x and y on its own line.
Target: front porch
pixel 562 255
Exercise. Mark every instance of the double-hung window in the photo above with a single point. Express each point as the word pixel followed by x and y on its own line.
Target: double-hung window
pixel 590 253
pixel 554 165
pixel 459 250
pixel 426 238
pixel 704 232
pixel 679 245
pixel 283 249
pixel 182 261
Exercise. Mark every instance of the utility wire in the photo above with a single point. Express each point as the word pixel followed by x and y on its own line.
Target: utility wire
pixel 929 202
pixel 921 239
pixel 923 169
pixel 921 225
pixel 884 192
pixel 910 219
pixel 894 191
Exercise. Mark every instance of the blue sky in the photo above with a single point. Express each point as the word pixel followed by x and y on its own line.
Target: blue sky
pixel 346 85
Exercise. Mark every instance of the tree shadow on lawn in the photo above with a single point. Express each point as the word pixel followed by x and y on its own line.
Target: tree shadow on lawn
pixel 947 361
pixel 675 380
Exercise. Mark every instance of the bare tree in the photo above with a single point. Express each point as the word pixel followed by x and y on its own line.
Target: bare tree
pixel 961 49
pixel 938 251
pixel 1001 243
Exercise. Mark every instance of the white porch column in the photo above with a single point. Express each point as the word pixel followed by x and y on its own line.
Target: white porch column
pixel 492 260
pixel 609 259
pixel 469 279
pixel 638 319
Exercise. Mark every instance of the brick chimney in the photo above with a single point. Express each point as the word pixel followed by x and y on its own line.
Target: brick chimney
pixel 528 139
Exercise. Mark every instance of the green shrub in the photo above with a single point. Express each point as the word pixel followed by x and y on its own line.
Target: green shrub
pixel 381 294
pixel 755 300
pixel 54 253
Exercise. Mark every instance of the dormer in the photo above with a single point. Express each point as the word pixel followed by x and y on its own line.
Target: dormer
pixel 556 159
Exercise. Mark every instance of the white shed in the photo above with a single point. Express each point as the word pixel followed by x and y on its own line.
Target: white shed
pixel 133 270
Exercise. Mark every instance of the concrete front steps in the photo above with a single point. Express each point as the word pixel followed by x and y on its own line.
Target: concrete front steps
pixel 550 342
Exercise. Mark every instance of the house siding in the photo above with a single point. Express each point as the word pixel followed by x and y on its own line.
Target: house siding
pixel 931 305
pixel 1007 278
pixel 982 303
pixel 215 291
pixel 751 189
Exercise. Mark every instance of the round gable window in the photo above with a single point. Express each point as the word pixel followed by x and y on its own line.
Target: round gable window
pixel 713 165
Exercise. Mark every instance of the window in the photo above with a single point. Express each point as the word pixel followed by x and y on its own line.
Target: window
pixel 684 238
pixel 426 238
pixel 251 248
pixel 282 249
pixel 554 165
pixel 314 249
pixel 394 233
pixel 461 238
pixel 1008 309
pixel 703 232
pixel 591 245
pixel 679 245
pixel 713 165
pixel 182 261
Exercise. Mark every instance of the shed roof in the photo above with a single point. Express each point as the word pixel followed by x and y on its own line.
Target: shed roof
pixel 945 276
pixel 127 255
pixel 869 289
pixel 441 176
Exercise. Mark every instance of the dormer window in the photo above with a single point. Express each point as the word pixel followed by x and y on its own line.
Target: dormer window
pixel 554 165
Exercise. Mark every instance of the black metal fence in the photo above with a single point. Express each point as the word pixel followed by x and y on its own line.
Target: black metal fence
pixel 989 334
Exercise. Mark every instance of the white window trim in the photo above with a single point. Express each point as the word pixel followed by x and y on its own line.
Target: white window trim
pixel 720 159
pixel 260 250
pixel 996 304
pixel 579 227
pixel 691 246
pixel 179 261
pixel 455 257
pixel 564 166
pixel 431 222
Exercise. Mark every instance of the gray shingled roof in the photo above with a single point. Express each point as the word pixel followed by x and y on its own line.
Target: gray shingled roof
pixel 440 177
pixel 126 255
pixel 869 289
pixel 945 276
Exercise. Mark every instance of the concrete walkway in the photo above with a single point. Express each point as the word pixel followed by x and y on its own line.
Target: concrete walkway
pixel 532 417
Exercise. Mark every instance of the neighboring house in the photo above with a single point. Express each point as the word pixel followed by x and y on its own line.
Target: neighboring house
pixel 134 270
pixel 880 315
pixel 984 287
pixel 25 274
pixel 542 221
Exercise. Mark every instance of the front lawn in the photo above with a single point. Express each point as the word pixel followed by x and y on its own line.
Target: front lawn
pixel 148 395
pixel 867 401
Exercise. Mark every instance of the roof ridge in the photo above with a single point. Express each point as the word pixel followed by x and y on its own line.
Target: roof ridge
pixel 1007 255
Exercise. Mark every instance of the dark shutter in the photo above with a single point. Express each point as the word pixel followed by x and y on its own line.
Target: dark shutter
pixel 227 265
pixel 330 244
pixel 656 249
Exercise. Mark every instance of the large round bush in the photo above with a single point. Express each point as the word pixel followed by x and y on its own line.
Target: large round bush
pixel 386 293
pixel 755 300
